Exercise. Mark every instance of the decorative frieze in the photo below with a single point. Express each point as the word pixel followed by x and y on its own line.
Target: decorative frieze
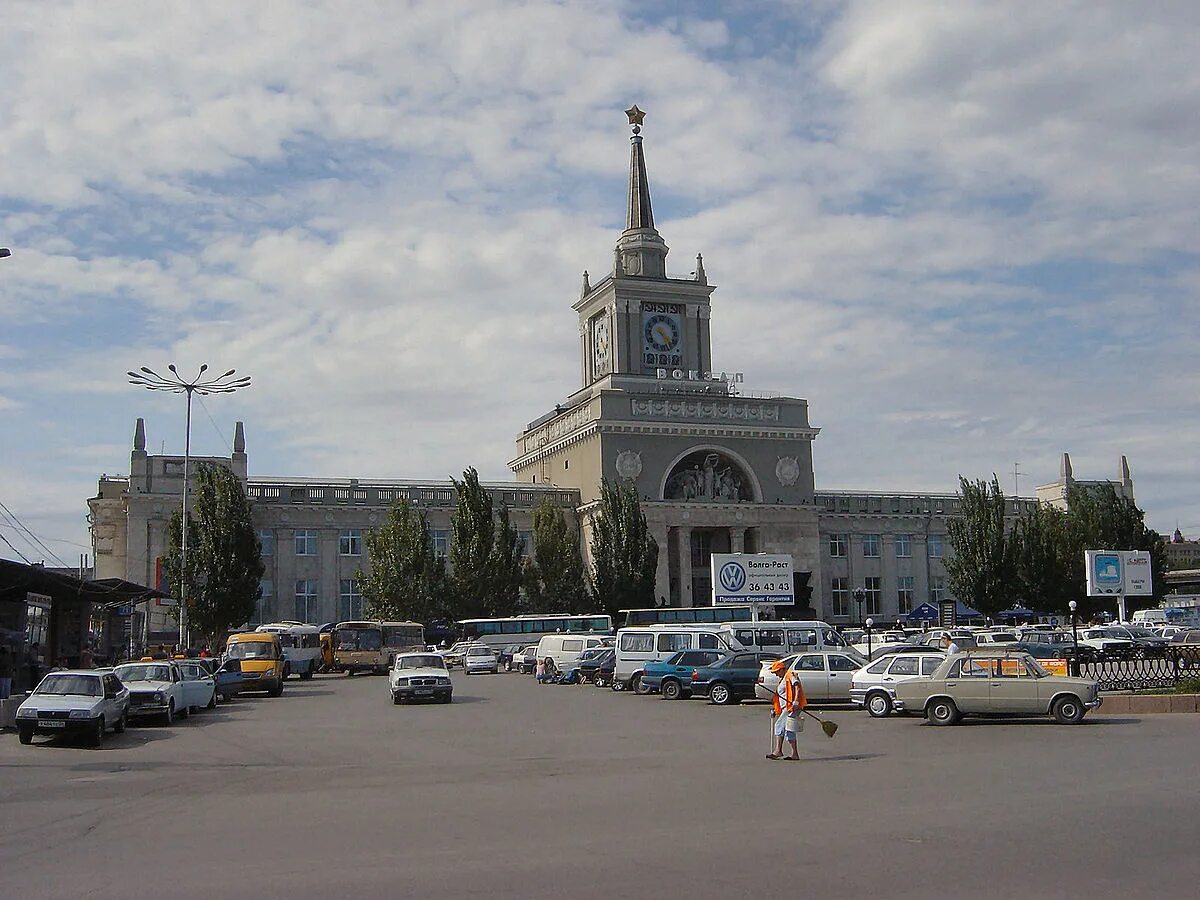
pixel 723 410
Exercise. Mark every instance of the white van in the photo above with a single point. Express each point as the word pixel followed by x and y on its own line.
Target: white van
pixel 785 637
pixel 644 644
pixel 564 649
pixel 1149 617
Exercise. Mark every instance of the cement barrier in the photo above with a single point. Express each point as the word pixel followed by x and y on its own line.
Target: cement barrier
pixel 1147 704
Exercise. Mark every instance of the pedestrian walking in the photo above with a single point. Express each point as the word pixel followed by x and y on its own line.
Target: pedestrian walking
pixel 787 711
pixel 6 673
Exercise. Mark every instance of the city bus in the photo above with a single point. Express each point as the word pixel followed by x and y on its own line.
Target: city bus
pixel 686 615
pixel 402 637
pixel 529 629
pixel 358 647
pixel 301 647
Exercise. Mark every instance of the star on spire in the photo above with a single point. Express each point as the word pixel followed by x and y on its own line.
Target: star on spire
pixel 636 116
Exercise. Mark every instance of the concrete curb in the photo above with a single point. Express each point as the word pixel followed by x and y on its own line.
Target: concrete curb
pixel 1145 704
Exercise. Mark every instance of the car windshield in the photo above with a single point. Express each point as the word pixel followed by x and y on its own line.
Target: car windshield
pixel 420 662
pixel 358 639
pixel 251 650
pixel 72 685
pixel 144 673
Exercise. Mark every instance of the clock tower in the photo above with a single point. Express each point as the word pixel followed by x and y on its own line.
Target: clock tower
pixel 715 472
pixel 638 320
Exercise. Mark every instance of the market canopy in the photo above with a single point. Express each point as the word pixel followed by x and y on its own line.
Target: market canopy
pixel 1017 612
pixel 928 612
pixel 18 579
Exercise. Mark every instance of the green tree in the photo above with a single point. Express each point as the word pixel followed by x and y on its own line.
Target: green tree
pixel 1041 569
pixel 407 578
pixel 980 570
pixel 554 577
pixel 485 553
pixel 1098 518
pixel 624 553
pixel 224 564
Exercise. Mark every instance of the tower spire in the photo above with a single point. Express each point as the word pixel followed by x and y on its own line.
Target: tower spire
pixel 641 249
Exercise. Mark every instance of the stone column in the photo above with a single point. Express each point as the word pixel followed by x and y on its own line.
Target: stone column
pixel 684 549
pixel 737 540
pixel 662 575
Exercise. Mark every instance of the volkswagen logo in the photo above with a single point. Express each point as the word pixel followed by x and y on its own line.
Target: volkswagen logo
pixel 733 576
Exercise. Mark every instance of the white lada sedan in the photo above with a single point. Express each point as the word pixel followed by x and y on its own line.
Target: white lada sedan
pixel 72 704
pixel 420 676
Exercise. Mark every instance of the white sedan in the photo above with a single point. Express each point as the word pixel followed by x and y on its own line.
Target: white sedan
pixel 873 685
pixel 825 676
pixel 420 676
pixel 70 704
pixel 155 690
pixel 480 658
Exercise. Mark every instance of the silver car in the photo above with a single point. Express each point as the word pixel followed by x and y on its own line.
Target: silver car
pixel 824 674
pixel 873 686
pixel 74 703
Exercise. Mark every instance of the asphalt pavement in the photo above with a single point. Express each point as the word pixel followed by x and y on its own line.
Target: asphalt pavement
pixel 574 792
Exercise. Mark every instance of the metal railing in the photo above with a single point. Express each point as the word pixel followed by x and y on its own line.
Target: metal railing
pixel 1155 671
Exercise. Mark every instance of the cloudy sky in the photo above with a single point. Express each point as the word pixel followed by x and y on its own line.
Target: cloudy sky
pixel 966 232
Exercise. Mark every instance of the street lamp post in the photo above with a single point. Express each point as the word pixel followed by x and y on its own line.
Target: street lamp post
pixel 1074 627
pixel 176 384
pixel 859 596
pixel 870 622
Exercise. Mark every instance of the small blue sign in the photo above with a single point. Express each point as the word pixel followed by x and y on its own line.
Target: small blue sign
pixel 1108 568
pixel 733 576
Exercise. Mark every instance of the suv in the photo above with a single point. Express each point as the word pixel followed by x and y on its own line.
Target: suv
pixel 74 703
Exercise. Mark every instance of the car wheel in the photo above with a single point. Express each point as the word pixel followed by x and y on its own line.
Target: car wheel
pixel 720 694
pixel 1068 711
pixel 397 699
pixel 448 698
pixel 671 690
pixel 122 724
pixel 212 701
pixel 25 736
pixel 635 684
pixel 276 689
pixel 942 712
pixel 226 697
pixel 96 738
pixel 185 711
pixel 169 715
pixel 617 684
pixel 307 675
pixel 879 704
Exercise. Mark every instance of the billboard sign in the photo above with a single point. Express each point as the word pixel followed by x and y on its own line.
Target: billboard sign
pixel 1118 573
pixel 752 578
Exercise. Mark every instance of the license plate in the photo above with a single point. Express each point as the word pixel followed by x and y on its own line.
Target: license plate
pixel 50 723
pixel 424 692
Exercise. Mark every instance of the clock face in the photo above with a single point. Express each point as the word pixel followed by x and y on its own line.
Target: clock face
pixel 661 338
pixel 661 332
pixel 601 344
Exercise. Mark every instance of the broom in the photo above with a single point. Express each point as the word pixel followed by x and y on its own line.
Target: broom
pixel 830 728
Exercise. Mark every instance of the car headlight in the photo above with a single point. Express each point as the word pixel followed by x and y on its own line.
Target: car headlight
pixel 401 682
pixel 26 713
pixel 443 681
pixel 158 697
pixel 81 714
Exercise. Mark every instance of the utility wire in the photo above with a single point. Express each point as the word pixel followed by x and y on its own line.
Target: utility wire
pixel 21 525
pixel 15 550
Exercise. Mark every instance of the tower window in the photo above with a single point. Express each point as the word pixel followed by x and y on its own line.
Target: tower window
pixel 566 464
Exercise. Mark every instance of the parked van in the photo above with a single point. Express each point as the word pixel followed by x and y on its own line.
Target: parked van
pixel 301 647
pixel 261 658
pixel 785 637
pixel 1149 617
pixel 564 649
pixel 643 644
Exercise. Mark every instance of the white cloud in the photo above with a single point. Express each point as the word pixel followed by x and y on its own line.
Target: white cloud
pixel 965 232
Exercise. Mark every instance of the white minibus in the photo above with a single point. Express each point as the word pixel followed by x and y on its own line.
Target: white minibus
pixel 643 644
pixel 301 647
pixel 785 637
pixel 564 649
